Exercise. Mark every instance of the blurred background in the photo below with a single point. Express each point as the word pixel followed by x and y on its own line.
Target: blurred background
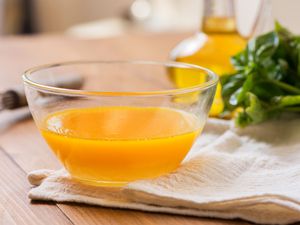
pixel 106 18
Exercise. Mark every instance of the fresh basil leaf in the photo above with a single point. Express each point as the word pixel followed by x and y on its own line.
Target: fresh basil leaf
pixel 267 81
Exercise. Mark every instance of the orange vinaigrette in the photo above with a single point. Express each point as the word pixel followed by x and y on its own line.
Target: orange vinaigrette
pixel 117 144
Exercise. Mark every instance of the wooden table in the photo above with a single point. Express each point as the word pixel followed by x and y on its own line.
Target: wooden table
pixel 22 148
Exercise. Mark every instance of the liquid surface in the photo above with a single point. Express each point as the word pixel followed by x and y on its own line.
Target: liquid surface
pixel 113 145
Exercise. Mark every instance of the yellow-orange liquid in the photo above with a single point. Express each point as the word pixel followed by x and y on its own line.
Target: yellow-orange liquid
pixel 215 53
pixel 211 49
pixel 114 145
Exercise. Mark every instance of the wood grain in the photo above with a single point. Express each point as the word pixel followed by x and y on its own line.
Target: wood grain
pixel 14 205
pixel 99 216
pixel 24 149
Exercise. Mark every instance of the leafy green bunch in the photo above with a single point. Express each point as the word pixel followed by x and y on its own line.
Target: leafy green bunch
pixel 267 78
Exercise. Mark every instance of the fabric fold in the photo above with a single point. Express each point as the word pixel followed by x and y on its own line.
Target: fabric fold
pixel 251 174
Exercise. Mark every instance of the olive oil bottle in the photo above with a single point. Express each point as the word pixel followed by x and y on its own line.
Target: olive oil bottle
pixel 212 47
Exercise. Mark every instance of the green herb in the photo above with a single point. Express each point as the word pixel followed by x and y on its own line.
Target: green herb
pixel 267 78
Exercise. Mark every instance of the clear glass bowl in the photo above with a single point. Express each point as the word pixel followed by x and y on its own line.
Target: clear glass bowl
pixel 113 122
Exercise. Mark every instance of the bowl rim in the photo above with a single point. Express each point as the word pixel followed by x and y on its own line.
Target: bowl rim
pixel 76 92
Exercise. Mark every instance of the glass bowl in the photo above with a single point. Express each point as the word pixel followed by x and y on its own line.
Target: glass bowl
pixel 113 122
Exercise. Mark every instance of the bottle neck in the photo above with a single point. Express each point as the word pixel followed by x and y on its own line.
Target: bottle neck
pixel 219 17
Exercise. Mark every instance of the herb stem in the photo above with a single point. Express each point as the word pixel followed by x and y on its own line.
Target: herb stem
pixel 292 109
pixel 285 86
pixel 289 100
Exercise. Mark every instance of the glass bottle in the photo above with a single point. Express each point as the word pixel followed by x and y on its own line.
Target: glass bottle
pixel 212 47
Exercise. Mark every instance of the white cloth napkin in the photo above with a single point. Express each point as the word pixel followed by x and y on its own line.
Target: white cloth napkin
pixel 252 174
